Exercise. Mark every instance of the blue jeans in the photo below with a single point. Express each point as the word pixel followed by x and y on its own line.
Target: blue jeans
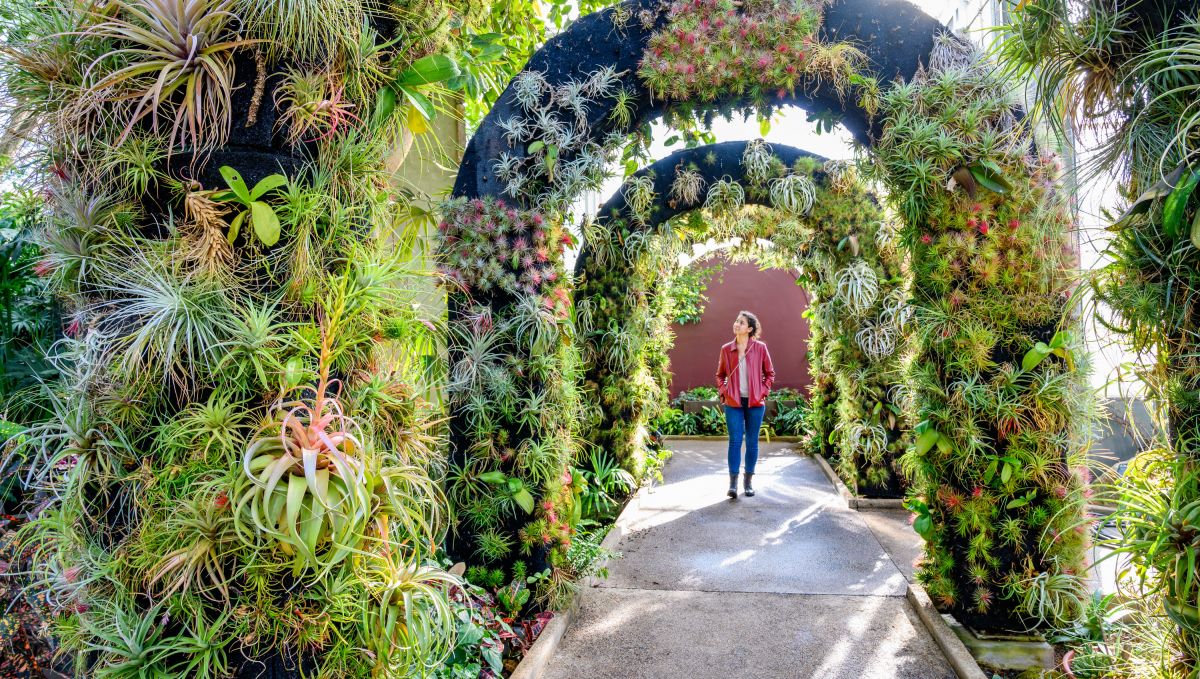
pixel 743 423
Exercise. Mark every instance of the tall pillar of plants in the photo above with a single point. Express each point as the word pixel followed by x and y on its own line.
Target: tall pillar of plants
pixel 234 476
pixel 1141 111
pixel 623 333
pixel 998 384
pixel 852 265
pixel 514 363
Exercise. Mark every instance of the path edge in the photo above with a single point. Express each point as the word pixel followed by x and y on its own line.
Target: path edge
pixel 955 651
pixel 853 501
pixel 535 662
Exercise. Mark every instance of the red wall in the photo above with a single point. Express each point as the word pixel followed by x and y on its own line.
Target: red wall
pixel 774 297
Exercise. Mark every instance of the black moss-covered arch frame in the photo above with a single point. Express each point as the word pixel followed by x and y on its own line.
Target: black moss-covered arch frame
pixel 896 37
pixel 713 162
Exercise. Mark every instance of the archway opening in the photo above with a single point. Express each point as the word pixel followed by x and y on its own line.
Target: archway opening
pixel 822 221
pixel 997 388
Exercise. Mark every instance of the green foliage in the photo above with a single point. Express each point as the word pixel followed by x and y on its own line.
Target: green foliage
pixel 236 465
pixel 1148 140
pixel 28 316
pixel 686 291
pixel 164 50
pixel 715 48
pixel 258 213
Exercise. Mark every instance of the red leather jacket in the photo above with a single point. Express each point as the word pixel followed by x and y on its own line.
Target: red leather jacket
pixel 758 365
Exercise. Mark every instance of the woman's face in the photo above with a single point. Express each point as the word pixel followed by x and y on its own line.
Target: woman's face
pixel 740 326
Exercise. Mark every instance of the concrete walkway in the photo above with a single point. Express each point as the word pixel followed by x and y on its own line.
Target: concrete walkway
pixel 789 584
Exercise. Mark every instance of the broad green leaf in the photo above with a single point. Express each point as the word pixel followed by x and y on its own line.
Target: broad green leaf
pixel 525 500
pixel 236 226
pixel 266 223
pixel 385 104
pixel 1033 357
pixel 419 101
pixel 923 525
pixel 236 184
pixel 945 445
pixel 927 440
pixel 1174 205
pixel 1006 473
pixel 764 126
pixel 1196 230
pixel 1161 189
pixel 987 178
pixel 536 146
pixel 268 183
pixel 434 68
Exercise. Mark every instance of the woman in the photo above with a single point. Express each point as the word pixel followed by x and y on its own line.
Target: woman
pixel 744 377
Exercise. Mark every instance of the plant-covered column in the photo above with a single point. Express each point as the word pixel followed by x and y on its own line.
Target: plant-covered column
pixel 625 336
pixel 852 265
pixel 514 361
pixel 513 382
pixel 998 384
pixel 1140 110
pixel 236 476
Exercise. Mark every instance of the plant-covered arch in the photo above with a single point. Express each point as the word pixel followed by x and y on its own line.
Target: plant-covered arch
pixel 824 224
pixel 997 390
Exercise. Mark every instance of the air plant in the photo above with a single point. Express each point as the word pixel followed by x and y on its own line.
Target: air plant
pixel 412 629
pixel 725 196
pixel 877 339
pixel 528 88
pixel 857 286
pixel 204 528
pixel 687 186
pixel 315 104
pixel 306 480
pixel 173 58
pixel 869 440
pixel 757 161
pixel 572 96
pixel 311 30
pixel 793 194
pixel 507 166
pixel 164 318
pixel 639 196
pixel 896 310
pixel 602 82
pixel 886 235
pixel 516 130
pixel 204 231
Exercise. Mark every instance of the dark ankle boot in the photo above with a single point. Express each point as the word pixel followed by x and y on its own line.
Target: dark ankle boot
pixel 732 486
pixel 749 490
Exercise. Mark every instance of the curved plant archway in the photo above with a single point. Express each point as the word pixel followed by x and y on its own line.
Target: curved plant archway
pixel 824 223
pixel 997 385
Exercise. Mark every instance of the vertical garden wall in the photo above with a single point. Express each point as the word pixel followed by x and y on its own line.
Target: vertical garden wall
pixel 239 474
pixel 1140 110
pixel 998 386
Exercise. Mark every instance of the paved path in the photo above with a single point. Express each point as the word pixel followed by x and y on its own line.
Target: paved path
pixel 788 584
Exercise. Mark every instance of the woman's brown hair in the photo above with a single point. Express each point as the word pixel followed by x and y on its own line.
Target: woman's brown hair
pixel 753 322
